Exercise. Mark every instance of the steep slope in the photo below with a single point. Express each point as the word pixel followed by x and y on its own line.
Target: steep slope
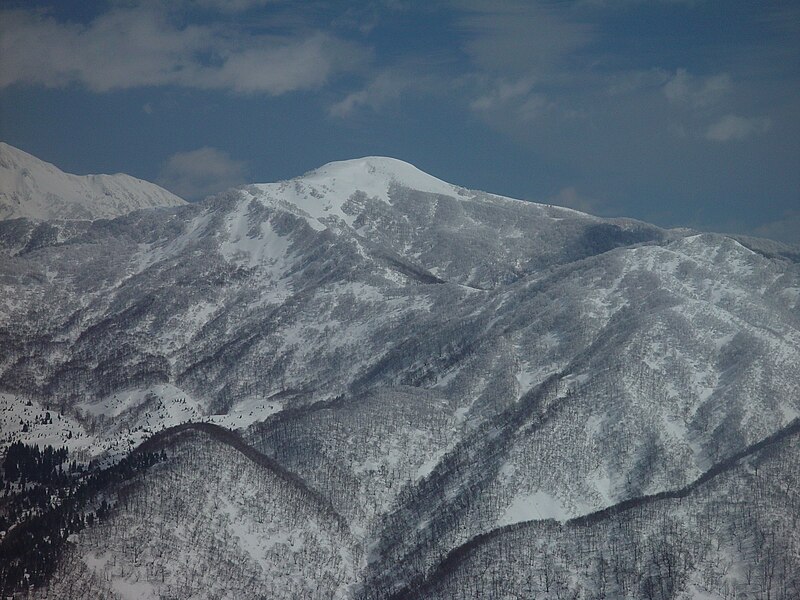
pixel 216 520
pixel 362 451
pixel 731 534
pixel 33 189
pixel 652 393
pixel 256 255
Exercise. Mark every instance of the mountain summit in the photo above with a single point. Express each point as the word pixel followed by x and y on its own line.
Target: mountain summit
pixel 328 191
pixel 374 175
pixel 34 189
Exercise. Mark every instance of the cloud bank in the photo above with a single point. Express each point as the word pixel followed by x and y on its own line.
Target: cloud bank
pixel 143 46
pixel 733 127
pixel 198 173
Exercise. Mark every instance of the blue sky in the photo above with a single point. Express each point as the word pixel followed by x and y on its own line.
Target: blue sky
pixel 678 112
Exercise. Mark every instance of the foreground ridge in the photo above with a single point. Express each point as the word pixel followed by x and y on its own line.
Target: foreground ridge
pixel 778 568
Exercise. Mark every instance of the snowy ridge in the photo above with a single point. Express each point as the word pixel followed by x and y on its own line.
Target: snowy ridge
pixel 324 192
pixel 564 556
pixel 217 521
pixel 374 175
pixel 33 189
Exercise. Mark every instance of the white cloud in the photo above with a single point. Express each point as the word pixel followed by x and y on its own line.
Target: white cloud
pixel 517 97
pixel 522 55
pixel 696 92
pixel 232 5
pixel 786 229
pixel 198 173
pixel 569 197
pixel 281 66
pixel 502 93
pixel 417 76
pixel 510 36
pixel 122 48
pixel 141 46
pixel 385 87
pixel 635 81
pixel 733 127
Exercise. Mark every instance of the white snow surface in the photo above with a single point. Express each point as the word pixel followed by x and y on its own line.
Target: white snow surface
pixel 120 421
pixel 323 192
pixel 534 507
pixel 33 189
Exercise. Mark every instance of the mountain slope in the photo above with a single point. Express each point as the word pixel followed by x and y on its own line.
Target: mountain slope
pixel 432 362
pixel 215 521
pixel 33 189
pixel 732 534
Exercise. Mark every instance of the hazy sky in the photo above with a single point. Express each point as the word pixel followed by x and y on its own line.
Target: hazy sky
pixel 675 112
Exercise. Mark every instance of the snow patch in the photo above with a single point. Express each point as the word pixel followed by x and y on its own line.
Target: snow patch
pixel 534 507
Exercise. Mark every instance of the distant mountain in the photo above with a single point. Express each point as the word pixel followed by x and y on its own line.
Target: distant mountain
pixel 33 189
pixel 442 370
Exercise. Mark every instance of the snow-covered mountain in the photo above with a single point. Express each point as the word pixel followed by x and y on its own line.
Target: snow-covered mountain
pixel 33 189
pixel 428 363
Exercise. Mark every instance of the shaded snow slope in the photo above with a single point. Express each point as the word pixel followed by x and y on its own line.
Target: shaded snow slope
pixel 733 535
pixel 214 521
pixel 33 189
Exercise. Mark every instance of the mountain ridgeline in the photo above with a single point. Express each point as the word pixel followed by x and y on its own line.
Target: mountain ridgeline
pixel 33 189
pixel 368 383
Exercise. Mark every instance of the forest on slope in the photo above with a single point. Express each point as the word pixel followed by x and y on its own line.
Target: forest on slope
pixel 391 380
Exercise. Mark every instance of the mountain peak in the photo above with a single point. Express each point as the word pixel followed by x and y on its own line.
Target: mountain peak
pixel 35 189
pixel 375 174
pixel 377 167
pixel 323 192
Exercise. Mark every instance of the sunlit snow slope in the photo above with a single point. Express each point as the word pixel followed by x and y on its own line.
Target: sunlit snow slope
pixel 34 189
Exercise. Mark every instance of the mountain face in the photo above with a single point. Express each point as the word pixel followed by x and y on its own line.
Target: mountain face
pixel 33 189
pixel 214 539
pixel 402 384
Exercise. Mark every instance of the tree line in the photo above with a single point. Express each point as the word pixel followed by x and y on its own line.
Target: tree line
pixel 42 504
